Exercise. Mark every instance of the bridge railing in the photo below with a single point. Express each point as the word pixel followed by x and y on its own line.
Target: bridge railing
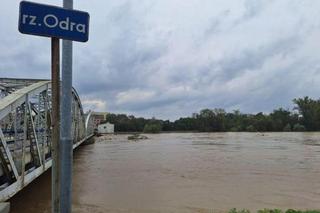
pixel 25 133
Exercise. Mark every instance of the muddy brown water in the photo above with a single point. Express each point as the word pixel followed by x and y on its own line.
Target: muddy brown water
pixel 189 172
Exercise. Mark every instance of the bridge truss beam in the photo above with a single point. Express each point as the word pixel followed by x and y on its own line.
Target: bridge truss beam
pixel 25 133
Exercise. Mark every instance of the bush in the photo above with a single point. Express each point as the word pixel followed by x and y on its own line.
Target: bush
pixel 299 128
pixel 251 128
pixel 270 211
pixel 234 129
pixel 234 210
pixel 287 128
pixel 152 128
pixel 293 211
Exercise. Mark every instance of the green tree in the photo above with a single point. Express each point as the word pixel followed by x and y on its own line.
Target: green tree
pixel 310 111
pixel 280 118
pixel 185 124
pixel 306 116
pixel 262 122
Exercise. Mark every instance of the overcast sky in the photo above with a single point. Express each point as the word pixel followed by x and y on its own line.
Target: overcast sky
pixel 169 58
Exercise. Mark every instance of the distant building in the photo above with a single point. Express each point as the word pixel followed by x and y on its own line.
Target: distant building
pixel 99 117
pixel 106 128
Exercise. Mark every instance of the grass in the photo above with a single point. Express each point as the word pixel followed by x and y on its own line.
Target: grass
pixel 274 211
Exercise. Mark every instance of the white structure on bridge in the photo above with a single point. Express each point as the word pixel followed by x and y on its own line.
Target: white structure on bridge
pixel 25 134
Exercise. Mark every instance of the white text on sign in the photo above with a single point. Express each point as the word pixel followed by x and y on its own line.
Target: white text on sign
pixel 52 21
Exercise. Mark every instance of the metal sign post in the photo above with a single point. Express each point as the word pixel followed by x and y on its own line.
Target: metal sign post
pixel 55 76
pixel 67 24
pixel 65 137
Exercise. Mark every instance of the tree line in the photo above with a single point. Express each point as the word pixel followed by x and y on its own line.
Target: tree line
pixel 305 116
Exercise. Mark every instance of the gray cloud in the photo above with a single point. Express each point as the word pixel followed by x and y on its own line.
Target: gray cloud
pixel 172 58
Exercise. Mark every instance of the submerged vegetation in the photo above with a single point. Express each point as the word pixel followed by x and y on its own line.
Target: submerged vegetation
pixel 137 136
pixel 304 117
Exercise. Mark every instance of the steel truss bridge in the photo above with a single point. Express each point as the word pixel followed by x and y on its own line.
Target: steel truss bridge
pixel 25 133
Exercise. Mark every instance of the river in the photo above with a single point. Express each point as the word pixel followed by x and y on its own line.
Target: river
pixel 188 172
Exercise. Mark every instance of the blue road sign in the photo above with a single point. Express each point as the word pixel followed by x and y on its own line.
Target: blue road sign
pixel 52 21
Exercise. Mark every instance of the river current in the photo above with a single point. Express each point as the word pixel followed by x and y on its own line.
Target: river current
pixel 188 172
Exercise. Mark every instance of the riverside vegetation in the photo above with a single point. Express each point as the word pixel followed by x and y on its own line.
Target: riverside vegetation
pixel 305 116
